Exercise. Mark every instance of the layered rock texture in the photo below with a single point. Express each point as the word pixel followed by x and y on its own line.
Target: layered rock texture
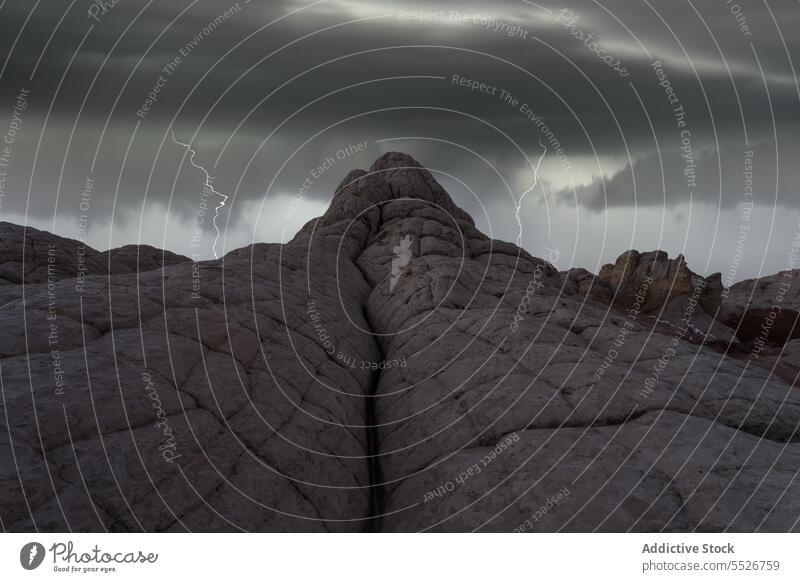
pixel 389 369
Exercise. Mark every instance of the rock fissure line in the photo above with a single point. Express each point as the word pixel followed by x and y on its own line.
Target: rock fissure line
pixel 374 471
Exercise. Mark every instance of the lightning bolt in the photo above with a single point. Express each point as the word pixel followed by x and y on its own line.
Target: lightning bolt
pixel 533 185
pixel 32 554
pixel 209 184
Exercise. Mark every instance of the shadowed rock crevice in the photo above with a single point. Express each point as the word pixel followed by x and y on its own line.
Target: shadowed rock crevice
pixel 365 208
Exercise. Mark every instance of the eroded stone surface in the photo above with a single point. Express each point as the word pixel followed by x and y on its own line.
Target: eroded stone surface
pixel 393 369
pixel 187 398
pixel 765 311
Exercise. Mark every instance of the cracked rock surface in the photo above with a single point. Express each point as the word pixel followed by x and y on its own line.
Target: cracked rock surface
pixel 389 369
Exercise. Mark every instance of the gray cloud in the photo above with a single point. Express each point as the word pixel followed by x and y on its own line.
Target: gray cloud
pixel 221 98
pixel 734 174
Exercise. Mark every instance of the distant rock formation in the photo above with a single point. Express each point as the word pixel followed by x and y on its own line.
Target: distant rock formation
pixel 652 282
pixel 32 255
pixel 765 311
pixel 306 387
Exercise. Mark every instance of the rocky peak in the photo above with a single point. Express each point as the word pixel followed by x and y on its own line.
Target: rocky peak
pixel 394 178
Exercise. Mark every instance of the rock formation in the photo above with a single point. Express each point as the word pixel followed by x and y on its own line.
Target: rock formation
pixel 336 383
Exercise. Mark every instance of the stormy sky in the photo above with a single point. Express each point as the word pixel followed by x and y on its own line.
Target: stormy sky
pixel 614 125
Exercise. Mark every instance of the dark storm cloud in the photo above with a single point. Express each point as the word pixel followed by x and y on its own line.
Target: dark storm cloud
pixel 589 107
pixel 721 180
